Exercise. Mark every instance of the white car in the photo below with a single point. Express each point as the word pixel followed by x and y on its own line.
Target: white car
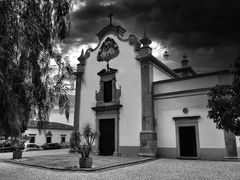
pixel 31 147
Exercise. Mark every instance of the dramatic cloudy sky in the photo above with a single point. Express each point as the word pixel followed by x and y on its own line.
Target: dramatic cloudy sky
pixel 207 31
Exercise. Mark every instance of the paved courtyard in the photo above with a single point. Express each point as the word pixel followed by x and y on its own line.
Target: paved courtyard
pixel 70 161
pixel 35 153
pixel 157 169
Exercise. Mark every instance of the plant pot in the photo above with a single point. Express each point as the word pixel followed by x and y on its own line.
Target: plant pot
pixel 17 154
pixel 85 162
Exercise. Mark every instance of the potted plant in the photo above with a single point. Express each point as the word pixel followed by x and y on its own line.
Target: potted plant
pixel 82 143
pixel 17 144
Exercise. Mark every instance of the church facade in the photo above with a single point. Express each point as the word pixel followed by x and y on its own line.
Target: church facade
pixel 142 107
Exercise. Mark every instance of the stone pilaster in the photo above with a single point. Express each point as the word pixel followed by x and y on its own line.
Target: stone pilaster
pixel 147 100
pixel 230 146
pixel 78 75
pixel 148 136
pixel 116 146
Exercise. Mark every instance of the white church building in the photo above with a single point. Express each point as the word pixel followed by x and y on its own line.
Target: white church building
pixel 142 107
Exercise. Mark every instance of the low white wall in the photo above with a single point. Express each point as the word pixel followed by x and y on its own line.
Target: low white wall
pixel 40 138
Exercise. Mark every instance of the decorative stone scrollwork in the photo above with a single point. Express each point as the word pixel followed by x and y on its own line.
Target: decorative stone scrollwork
pixel 118 93
pixel 99 95
pixel 133 41
pixel 108 50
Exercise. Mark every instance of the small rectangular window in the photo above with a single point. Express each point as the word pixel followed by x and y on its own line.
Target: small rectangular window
pixel 63 139
pixel 107 88
pixel 48 139
pixel 32 138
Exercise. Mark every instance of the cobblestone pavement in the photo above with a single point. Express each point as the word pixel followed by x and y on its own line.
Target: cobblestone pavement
pixel 159 169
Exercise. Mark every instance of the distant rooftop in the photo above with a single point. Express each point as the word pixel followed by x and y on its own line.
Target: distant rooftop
pixel 51 125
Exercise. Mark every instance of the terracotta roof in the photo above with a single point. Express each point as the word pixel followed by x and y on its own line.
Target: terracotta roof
pixel 51 125
pixel 188 70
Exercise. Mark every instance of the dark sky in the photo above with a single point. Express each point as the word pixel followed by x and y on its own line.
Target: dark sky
pixel 208 31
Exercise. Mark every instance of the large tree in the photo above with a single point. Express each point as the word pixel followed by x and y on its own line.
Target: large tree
pixel 28 33
pixel 224 103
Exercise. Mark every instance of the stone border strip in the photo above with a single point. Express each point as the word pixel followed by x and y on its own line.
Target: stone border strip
pixel 94 169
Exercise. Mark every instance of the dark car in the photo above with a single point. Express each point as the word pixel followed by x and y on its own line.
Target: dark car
pixel 6 147
pixel 51 146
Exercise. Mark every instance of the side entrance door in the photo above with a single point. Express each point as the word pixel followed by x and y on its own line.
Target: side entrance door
pixel 187 137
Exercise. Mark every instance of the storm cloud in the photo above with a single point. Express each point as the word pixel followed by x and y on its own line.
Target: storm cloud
pixel 183 25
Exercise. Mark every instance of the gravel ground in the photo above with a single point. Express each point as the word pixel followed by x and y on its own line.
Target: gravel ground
pixel 159 169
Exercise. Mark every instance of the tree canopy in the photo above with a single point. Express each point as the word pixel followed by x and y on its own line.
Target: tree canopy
pixel 28 33
pixel 224 103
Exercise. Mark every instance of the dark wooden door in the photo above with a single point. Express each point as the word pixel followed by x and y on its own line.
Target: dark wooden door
pixel 106 128
pixel 187 137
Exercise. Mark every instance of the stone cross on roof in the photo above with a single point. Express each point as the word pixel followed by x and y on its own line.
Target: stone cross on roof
pixel 110 17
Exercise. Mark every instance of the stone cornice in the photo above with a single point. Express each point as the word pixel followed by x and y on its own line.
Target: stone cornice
pixel 195 76
pixel 182 92
pixel 159 64
pixel 107 108
pixel 185 118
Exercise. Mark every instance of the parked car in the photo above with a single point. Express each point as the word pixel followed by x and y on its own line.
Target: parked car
pixel 51 146
pixel 65 145
pixel 6 147
pixel 31 147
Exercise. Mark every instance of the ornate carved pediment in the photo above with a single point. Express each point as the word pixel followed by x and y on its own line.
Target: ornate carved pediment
pixel 110 95
pixel 108 50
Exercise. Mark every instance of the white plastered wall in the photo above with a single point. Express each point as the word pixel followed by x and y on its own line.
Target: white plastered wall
pixel 40 138
pixel 188 84
pixel 159 75
pixel 129 78
pixel 166 109
pixel 168 106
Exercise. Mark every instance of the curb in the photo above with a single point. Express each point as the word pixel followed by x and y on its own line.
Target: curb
pixel 94 169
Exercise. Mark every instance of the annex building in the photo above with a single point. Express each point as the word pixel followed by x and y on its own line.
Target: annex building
pixel 55 132
pixel 142 107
